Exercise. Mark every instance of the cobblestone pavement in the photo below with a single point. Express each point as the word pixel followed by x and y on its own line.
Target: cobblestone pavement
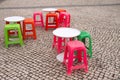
pixel 37 61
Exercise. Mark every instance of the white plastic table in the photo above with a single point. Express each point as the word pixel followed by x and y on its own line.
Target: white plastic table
pixel 14 19
pixel 65 33
pixel 49 9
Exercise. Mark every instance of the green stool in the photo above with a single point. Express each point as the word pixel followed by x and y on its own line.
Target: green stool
pixel 83 35
pixel 7 36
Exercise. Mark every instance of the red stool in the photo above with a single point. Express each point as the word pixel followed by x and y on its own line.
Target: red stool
pixel 81 55
pixel 64 20
pixel 51 20
pixel 13 32
pixel 38 19
pixel 58 12
pixel 26 31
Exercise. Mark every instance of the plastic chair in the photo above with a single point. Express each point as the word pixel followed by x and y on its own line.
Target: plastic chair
pixel 29 21
pixel 51 20
pixel 38 19
pixel 84 35
pixel 9 27
pixel 69 56
pixel 64 20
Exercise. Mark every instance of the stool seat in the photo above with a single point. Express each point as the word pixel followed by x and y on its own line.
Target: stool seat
pixel 60 10
pixel 28 20
pixel 12 26
pixel 75 44
pixel 53 14
pixel 84 34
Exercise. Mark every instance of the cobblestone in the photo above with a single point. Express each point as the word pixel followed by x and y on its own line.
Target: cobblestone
pixel 37 60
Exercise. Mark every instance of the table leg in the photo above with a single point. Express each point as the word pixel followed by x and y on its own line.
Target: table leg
pixel 59 44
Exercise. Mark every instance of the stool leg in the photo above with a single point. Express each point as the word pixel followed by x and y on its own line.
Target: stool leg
pixel 79 55
pixel 70 62
pixel 83 40
pixel 20 37
pixel 24 30
pixel 34 31
pixel 85 61
pixel 6 37
pixel 54 41
pixel 65 54
pixel 20 25
pixel 46 23
pixel 42 20
pixel 64 42
pixel 90 47
pixel 59 44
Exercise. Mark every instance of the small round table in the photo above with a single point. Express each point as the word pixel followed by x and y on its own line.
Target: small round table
pixel 14 19
pixel 49 9
pixel 65 33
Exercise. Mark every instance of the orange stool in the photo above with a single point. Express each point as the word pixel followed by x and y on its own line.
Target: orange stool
pixel 38 19
pixel 51 20
pixel 81 55
pixel 26 30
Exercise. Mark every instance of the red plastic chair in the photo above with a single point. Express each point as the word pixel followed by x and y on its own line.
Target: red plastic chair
pixel 26 31
pixel 81 55
pixel 38 19
pixel 64 20
pixel 51 20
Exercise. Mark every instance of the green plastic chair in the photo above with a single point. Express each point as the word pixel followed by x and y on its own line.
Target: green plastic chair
pixel 7 36
pixel 83 35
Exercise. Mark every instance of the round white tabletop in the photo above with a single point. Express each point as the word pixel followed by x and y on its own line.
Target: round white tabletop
pixel 66 32
pixel 14 19
pixel 49 9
